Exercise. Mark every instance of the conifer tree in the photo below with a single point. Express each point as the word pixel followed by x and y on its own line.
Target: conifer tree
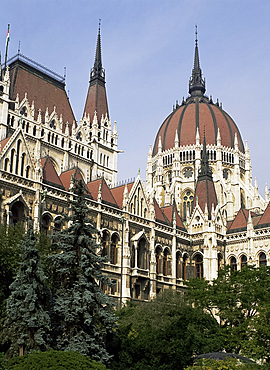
pixel 83 312
pixel 28 323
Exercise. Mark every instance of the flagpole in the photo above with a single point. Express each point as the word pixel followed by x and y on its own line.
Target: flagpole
pixel 7 41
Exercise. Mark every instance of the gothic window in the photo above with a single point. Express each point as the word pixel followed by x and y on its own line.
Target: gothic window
pixel 52 137
pixel 105 243
pixel 12 121
pixel 58 223
pixel 114 248
pixel 23 124
pixel 16 213
pixel 34 130
pixel 158 260
pixel 187 201
pixel 198 266
pixel 178 265
pixel 184 272
pixel 219 261
pixel 42 132
pixel 27 127
pixel 52 124
pixel 243 261
pixel 132 257
pixel 79 136
pixel 63 143
pixel 6 164
pixel 22 163
pixel 233 264
pixel 188 172
pixel 23 111
pixel 46 223
pixel 49 137
pixel 27 171
pixel 166 262
pixel 262 259
pixel 88 154
pixel 12 154
pixel 56 140
pixel 225 174
pixel 142 254
pixel 17 156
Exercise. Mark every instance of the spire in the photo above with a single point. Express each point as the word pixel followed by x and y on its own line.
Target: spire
pixel 97 72
pixel 196 82
pixel 205 172
pixel 96 100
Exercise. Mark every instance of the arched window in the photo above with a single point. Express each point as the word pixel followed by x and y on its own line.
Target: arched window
pixel 105 243
pixel 114 248
pixel 17 213
pixel 27 171
pixel 62 143
pixel 17 156
pixel 12 154
pixel 46 223
pixel 158 260
pixel 166 262
pixel 58 223
pixel 184 272
pixel 243 261
pixel 22 163
pixel 198 266
pixel 187 201
pixel 178 265
pixel 6 164
pixel 233 264
pixel 27 127
pixel 262 259
pixel 34 130
pixel 142 254
pixel 220 258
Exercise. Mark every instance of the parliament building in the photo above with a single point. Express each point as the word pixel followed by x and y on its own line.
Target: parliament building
pixel 197 211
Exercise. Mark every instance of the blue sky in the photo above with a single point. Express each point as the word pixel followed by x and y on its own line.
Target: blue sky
pixel 147 52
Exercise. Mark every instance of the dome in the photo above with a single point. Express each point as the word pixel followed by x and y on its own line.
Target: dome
pixel 198 111
pixel 202 113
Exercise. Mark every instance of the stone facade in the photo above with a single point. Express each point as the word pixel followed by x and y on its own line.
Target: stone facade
pixel 197 210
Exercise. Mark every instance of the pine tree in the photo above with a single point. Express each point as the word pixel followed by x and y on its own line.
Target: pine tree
pixel 83 312
pixel 28 323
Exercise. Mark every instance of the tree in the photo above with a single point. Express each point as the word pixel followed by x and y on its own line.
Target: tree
pixel 27 324
pixel 82 314
pixel 239 300
pixel 54 360
pixel 9 260
pixel 163 334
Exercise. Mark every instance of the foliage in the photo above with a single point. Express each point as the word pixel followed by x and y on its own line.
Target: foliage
pixel 9 260
pixel 82 314
pixel 163 334
pixel 240 301
pixel 227 364
pixel 27 323
pixel 54 360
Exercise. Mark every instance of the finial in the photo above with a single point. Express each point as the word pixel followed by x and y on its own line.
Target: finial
pixel 99 23
pixel 19 47
pixel 196 34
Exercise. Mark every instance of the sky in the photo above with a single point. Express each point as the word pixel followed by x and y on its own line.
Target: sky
pixel 147 53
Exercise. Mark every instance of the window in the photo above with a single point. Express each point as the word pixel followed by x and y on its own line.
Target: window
pixel 187 200
pixel 233 264
pixel 105 243
pixel 166 263
pixel 184 273
pixel 114 244
pixel 158 260
pixel 178 265
pixel 243 261
pixel 198 266
pixel 262 259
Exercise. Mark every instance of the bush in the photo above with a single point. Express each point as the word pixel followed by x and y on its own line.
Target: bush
pixel 54 360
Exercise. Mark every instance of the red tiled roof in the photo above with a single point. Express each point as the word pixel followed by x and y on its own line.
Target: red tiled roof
pixel 4 142
pixel 208 117
pixel 50 175
pixel 160 216
pixel 118 193
pixel 106 194
pixel 240 220
pixel 67 176
pixel 40 88
pixel 169 211
pixel 96 101
pixel 206 193
pixel 265 219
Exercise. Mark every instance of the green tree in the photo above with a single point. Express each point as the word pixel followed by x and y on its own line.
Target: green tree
pixel 239 301
pixel 54 360
pixel 9 260
pixel 83 314
pixel 27 323
pixel 163 334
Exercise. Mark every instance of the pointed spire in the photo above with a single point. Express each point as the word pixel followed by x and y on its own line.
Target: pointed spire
pixel 205 171
pixel 97 72
pixel 196 82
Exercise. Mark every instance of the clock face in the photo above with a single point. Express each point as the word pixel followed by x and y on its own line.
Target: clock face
pixel 188 173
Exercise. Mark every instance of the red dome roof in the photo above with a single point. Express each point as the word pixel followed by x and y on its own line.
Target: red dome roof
pixel 202 113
